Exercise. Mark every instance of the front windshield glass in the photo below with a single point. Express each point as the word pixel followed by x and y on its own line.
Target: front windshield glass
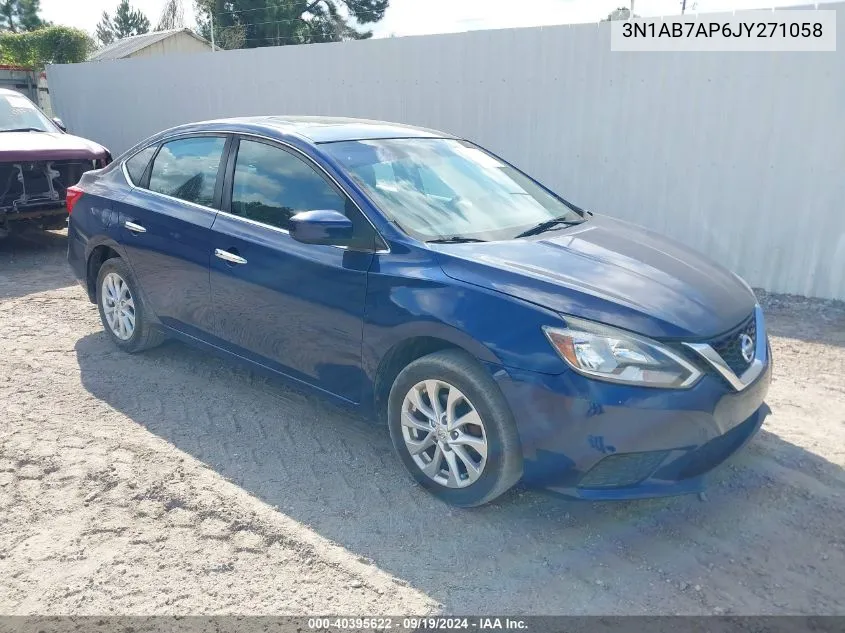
pixel 19 113
pixel 440 189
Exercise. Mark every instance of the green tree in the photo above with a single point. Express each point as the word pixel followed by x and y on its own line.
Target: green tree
pixel 50 45
pixel 126 22
pixel 20 15
pixel 255 23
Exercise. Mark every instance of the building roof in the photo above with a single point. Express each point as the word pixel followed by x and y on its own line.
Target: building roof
pixel 126 46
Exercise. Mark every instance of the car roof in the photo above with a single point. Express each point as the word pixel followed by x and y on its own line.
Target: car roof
pixel 317 129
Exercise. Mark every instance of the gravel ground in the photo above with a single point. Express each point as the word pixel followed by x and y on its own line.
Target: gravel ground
pixel 176 483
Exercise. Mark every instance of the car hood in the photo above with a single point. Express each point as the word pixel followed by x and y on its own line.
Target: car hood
pixel 29 146
pixel 612 272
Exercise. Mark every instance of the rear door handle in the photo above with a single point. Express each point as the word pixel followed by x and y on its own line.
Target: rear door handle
pixel 135 228
pixel 226 256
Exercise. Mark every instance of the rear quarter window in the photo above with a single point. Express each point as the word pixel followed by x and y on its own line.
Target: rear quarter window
pixel 137 165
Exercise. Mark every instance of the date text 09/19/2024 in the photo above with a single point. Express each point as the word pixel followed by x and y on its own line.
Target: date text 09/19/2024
pixel 431 623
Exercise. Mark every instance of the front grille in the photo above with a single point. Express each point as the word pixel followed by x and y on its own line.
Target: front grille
pixel 728 345
pixel 624 469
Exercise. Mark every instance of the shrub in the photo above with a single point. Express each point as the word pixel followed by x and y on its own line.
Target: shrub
pixel 50 45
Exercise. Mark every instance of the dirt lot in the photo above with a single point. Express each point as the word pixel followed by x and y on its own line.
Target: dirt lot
pixel 174 482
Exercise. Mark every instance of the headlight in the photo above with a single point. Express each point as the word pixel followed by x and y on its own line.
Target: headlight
pixel 614 355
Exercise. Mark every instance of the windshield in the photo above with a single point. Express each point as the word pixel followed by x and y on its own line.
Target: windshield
pixel 442 189
pixel 19 113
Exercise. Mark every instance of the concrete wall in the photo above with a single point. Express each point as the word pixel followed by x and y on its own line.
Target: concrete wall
pixel 740 155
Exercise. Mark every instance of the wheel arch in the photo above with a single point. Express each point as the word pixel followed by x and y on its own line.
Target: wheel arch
pixel 97 254
pixel 405 351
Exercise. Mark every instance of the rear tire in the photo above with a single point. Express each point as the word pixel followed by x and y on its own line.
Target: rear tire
pixel 461 444
pixel 123 313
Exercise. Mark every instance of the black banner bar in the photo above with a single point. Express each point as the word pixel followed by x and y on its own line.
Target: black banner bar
pixel 336 624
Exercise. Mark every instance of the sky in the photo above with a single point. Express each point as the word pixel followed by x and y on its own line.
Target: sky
pixel 420 17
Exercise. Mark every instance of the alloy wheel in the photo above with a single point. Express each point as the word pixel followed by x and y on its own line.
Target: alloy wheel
pixel 444 434
pixel 118 306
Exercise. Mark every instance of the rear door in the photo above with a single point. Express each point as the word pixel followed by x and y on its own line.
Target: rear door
pixel 165 224
pixel 298 308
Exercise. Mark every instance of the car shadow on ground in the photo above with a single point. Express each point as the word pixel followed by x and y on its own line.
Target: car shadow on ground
pixel 42 253
pixel 525 553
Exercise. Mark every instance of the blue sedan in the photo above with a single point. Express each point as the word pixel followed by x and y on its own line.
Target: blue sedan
pixel 501 332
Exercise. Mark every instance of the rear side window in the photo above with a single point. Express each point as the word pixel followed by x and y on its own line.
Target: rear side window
pixel 138 164
pixel 187 169
pixel 270 185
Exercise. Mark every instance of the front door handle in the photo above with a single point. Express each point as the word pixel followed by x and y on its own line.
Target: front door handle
pixel 227 256
pixel 135 228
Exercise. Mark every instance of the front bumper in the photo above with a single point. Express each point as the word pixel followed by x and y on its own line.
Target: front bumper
pixel 599 441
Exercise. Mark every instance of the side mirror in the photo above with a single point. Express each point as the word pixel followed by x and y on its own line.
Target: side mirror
pixel 321 227
pixel 60 124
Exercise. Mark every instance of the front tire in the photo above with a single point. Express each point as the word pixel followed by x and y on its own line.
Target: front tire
pixel 122 311
pixel 453 429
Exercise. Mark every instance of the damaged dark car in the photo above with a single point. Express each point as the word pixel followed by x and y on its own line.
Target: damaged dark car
pixel 38 162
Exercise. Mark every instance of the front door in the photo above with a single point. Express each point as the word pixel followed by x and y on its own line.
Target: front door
pixel 165 224
pixel 295 307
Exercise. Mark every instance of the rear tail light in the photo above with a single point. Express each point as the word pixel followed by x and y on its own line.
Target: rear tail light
pixel 72 197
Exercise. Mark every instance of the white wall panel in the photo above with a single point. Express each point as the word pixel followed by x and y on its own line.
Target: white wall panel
pixel 740 155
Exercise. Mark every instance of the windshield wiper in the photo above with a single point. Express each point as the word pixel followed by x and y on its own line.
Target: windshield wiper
pixel 548 225
pixel 455 239
pixel 24 129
